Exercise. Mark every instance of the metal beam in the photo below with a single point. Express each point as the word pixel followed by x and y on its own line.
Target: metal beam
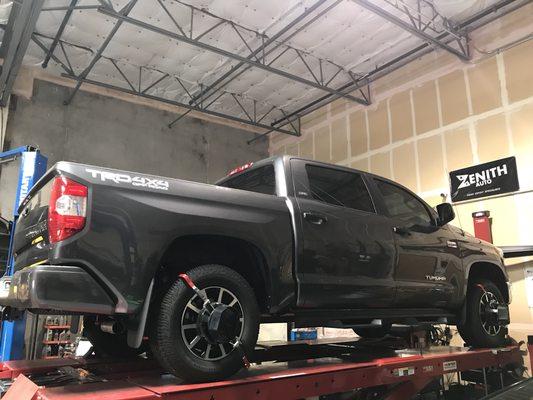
pixel 183 105
pixel 8 30
pixel 106 4
pixel 264 52
pixel 225 53
pixel 495 8
pixel 179 117
pixel 261 136
pixel 19 39
pixel 124 12
pixel 59 32
pixel 469 24
pixel 410 28
pixel 263 47
pixel 65 8
pixel 52 56
pixel 69 73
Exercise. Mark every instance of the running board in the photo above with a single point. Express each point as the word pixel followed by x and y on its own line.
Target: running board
pixel 437 315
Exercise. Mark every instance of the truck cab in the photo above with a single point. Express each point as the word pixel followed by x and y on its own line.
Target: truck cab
pixel 362 240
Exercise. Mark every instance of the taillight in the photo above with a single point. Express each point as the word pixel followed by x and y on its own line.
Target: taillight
pixel 241 168
pixel 67 208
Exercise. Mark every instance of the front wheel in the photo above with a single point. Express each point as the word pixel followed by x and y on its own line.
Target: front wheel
pixel 196 340
pixel 481 327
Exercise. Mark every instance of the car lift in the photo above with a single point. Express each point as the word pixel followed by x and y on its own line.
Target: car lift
pixel 32 167
pixel 306 369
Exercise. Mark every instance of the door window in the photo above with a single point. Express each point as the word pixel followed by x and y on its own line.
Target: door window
pixel 259 180
pixel 403 205
pixel 341 188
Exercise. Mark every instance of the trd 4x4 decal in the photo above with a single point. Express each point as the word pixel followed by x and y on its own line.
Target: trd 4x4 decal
pixel 142 181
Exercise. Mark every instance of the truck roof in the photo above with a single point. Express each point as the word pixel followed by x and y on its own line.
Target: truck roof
pixel 285 159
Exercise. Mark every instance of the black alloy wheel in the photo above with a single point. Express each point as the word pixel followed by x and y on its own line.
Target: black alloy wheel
pixel 203 336
pixel 481 327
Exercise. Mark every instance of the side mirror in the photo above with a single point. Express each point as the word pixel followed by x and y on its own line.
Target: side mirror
pixel 446 213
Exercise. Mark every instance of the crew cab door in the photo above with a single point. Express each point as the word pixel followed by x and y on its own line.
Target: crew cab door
pixel 345 250
pixel 428 268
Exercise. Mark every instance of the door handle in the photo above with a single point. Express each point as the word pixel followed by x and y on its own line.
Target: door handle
pixel 314 218
pixel 401 230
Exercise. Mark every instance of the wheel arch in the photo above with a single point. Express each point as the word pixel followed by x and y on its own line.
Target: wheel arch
pixel 491 271
pixel 187 252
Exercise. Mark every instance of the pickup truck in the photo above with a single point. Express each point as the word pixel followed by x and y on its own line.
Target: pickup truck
pixel 189 270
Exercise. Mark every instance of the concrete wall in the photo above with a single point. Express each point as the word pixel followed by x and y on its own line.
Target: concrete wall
pixel 104 131
pixel 436 115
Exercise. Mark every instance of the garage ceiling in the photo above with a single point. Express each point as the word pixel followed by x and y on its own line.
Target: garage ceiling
pixel 263 63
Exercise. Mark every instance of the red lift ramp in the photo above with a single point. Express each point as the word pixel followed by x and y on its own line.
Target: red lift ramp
pixel 408 371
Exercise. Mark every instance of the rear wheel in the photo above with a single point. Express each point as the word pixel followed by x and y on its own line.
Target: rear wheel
pixel 481 327
pixel 197 341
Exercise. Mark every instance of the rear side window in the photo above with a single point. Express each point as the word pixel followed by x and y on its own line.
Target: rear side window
pixel 403 205
pixel 259 180
pixel 341 188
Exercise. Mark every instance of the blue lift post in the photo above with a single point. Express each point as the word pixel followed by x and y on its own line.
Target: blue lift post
pixel 32 167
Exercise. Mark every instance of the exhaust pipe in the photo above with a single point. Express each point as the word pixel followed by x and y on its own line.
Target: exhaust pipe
pixel 112 327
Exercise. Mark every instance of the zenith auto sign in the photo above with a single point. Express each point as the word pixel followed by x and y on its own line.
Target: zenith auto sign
pixel 484 180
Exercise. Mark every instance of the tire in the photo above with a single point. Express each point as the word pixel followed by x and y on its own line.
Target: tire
pixel 173 347
pixel 464 333
pixel 473 331
pixel 107 344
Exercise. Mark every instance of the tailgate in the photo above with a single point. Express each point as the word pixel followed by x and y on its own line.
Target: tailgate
pixel 31 243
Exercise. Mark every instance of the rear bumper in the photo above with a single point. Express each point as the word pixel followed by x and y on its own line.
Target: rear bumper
pixel 59 288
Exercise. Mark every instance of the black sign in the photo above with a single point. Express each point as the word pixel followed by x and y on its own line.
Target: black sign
pixel 484 180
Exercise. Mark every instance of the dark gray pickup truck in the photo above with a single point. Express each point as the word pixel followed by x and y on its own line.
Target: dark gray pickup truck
pixel 192 269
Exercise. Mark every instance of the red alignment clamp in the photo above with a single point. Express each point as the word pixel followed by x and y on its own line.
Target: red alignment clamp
pixel 188 281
